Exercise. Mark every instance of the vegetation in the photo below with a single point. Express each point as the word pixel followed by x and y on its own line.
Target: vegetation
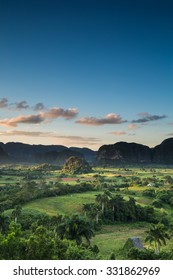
pixel 76 165
pixel 52 213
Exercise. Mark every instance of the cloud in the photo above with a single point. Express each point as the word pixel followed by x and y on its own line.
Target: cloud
pixel 30 119
pixel 41 117
pixel 3 102
pixel 132 126
pixel 143 114
pixel 108 119
pixel 21 105
pixel 25 133
pixel 146 117
pixel 60 112
pixel 39 107
pixel 118 133
pixel 68 138
pixel 78 140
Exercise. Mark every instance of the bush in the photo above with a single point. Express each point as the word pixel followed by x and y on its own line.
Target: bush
pixel 157 203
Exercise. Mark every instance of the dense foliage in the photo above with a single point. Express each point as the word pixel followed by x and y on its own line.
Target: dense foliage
pixel 76 165
pixel 111 208
pixel 43 243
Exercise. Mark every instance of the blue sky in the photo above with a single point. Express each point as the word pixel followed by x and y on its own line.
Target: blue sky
pixel 86 73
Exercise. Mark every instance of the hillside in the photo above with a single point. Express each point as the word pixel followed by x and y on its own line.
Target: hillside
pixel 123 152
pixel 163 153
pixel 58 154
pixel 132 153
pixel 76 165
pixel 3 155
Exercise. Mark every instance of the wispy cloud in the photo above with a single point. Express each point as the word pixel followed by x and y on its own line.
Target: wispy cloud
pixel 108 119
pixel 30 119
pixel 133 126
pixel 3 102
pixel 68 138
pixel 39 118
pixel 118 133
pixel 146 117
pixel 25 133
pixel 78 139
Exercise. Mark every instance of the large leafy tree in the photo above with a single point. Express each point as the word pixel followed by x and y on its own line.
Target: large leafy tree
pixel 12 245
pixel 41 245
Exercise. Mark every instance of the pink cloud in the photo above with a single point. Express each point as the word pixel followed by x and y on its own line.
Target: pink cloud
pixel 118 133
pixel 108 119
pixel 41 117
pixel 132 126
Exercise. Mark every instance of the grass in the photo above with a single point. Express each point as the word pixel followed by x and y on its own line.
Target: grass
pixel 68 204
pixel 111 239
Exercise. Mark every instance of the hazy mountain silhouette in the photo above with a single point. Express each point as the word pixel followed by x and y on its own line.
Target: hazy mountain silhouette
pixel 117 154
pixel 133 153
pixel 58 154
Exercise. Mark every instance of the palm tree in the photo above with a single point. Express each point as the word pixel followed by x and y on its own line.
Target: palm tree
pixel 4 223
pixel 103 200
pixel 157 234
pixel 16 213
pixel 86 208
pixel 75 228
pixel 113 202
pixel 117 203
pixel 131 205
pixel 95 212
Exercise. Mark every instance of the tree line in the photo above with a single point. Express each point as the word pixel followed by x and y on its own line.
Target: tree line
pixel 110 208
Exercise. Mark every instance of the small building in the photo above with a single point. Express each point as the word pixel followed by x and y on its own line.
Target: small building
pixel 133 242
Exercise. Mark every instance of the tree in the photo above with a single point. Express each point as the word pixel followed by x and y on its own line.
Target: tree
pixel 75 228
pixel 132 209
pixel 86 208
pixel 13 245
pixel 16 213
pixel 76 165
pixel 4 223
pixel 103 200
pixel 157 234
pixel 41 245
pixel 117 203
pixel 95 212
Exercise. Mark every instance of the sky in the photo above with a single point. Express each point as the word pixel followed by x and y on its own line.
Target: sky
pixel 86 73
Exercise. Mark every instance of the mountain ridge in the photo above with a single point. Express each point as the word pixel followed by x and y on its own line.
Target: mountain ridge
pixel 114 154
pixel 58 154
pixel 134 153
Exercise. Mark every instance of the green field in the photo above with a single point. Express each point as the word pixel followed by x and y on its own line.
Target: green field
pixel 111 238
pixel 130 182
pixel 67 205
